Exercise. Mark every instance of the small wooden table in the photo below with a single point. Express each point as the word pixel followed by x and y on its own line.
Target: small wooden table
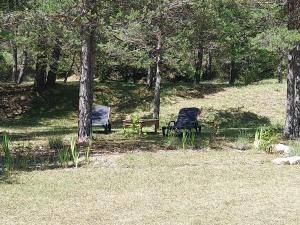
pixel 143 123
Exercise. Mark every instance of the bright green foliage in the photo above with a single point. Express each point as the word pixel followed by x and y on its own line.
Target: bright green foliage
pixel 265 137
pixel 74 151
pixel 63 156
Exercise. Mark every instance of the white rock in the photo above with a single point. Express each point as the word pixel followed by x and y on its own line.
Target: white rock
pixel 294 160
pixel 281 161
pixel 280 148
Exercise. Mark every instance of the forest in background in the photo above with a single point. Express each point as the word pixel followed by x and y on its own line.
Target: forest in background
pixel 175 40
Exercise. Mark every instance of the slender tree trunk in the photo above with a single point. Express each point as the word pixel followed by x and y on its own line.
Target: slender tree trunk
pixel 70 69
pixel 15 63
pixel 24 67
pixel 156 105
pixel 233 73
pixel 86 77
pixel 198 64
pixel 40 72
pixel 293 84
pixel 279 72
pixel 208 71
pixel 52 74
pixel 150 77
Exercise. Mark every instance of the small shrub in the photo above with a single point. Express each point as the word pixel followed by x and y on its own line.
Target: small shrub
pixel 8 159
pixel 74 151
pixel 133 129
pixel 63 157
pixel 264 138
pixel 55 143
pixel 243 141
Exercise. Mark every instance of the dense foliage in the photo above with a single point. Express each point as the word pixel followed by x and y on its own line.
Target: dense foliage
pixel 200 38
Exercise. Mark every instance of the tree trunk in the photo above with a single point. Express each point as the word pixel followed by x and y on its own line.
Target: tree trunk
pixel 40 72
pixel 15 63
pixel 24 67
pixel 150 77
pixel 291 129
pixel 70 69
pixel 198 64
pixel 52 74
pixel 156 105
pixel 233 73
pixel 208 71
pixel 86 76
pixel 279 72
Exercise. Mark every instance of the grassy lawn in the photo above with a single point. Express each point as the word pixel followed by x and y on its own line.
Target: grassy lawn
pixel 166 187
pixel 139 181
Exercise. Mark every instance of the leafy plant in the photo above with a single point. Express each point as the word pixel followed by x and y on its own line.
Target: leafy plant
pixel 63 157
pixel 74 151
pixel 55 143
pixel 133 129
pixel 8 159
pixel 264 138
pixel 193 139
pixel 184 139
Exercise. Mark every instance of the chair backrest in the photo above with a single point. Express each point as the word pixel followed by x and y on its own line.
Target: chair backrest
pixel 100 115
pixel 187 117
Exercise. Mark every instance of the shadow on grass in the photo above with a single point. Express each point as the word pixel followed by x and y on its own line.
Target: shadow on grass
pixel 56 103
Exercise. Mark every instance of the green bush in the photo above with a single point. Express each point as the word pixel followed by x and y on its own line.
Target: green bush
pixel 265 137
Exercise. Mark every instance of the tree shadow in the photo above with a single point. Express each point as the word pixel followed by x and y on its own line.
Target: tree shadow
pixel 235 118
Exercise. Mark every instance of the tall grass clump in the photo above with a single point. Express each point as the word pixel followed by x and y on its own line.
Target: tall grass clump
pixel 63 156
pixel 6 148
pixel 243 141
pixel 74 151
pixel 55 143
pixel 171 140
pixel 88 150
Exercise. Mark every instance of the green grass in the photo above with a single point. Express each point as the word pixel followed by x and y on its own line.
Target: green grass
pixel 132 181
pixel 172 187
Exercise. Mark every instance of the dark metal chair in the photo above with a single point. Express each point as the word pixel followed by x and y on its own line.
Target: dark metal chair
pixel 187 119
pixel 100 117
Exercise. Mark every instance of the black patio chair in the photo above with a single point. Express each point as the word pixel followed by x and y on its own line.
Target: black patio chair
pixel 186 119
pixel 100 117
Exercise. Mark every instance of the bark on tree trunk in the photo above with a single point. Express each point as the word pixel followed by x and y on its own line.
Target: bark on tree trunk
pixel 279 72
pixel 86 77
pixel 40 72
pixel 208 71
pixel 150 77
pixel 233 73
pixel 156 105
pixel 198 64
pixel 291 129
pixel 24 67
pixel 15 63
pixel 52 74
